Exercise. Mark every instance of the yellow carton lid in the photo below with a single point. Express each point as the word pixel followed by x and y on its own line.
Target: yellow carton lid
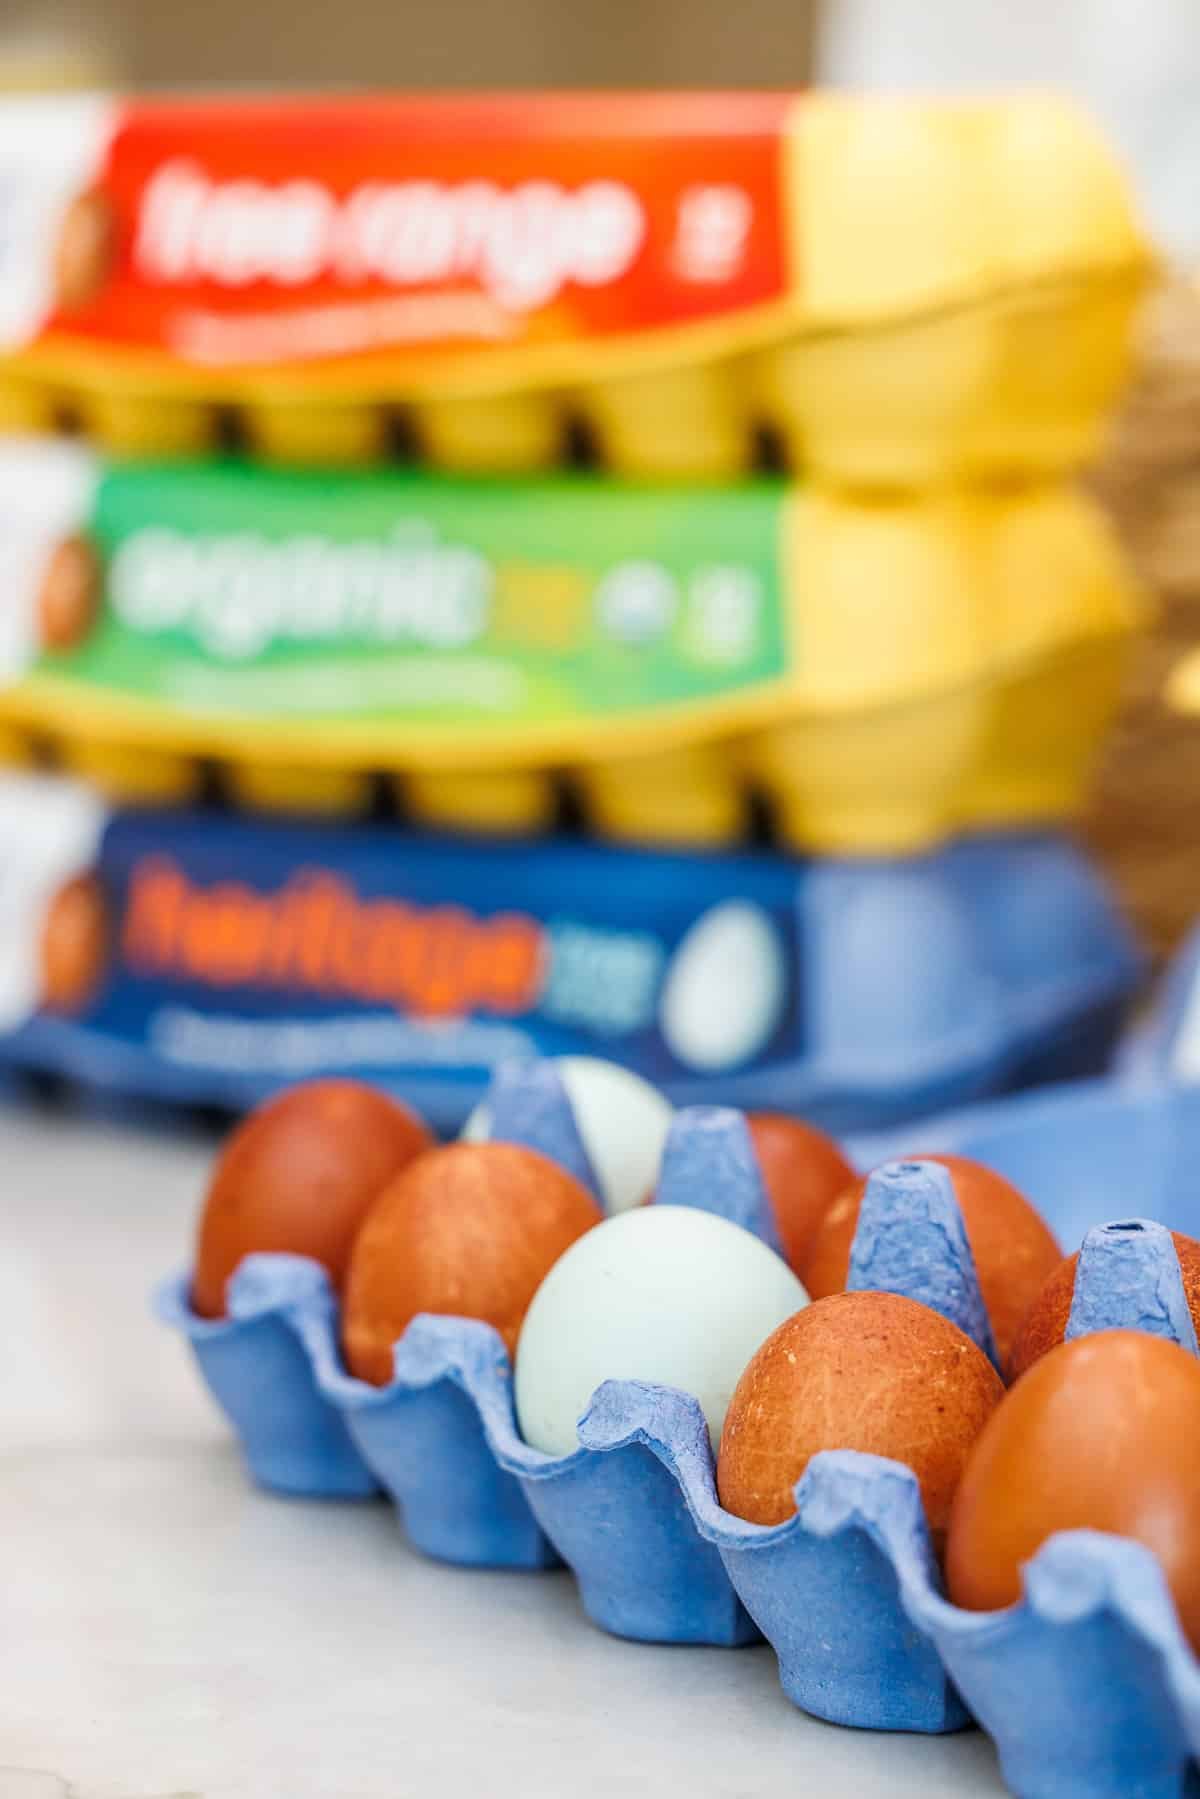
pixel 1055 572
pixel 894 600
pixel 882 598
pixel 901 206
pixel 1058 199
pixel 885 197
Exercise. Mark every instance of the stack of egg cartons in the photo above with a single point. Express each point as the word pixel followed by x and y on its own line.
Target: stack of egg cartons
pixel 434 484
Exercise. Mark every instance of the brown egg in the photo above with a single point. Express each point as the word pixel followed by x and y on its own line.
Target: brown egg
pixel 470 1231
pixel 74 945
pixel 1101 1434
pixel 298 1176
pixel 803 1171
pixel 1013 1248
pixel 867 1371
pixel 69 596
pixel 1045 1323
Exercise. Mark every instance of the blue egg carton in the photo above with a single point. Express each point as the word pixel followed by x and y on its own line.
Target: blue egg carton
pixel 1085 1151
pixel 1086 1684
pixel 1165 1044
pixel 886 988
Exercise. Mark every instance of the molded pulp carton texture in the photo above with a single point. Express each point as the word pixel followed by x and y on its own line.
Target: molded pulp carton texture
pixel 211 959
pixel 1086 1684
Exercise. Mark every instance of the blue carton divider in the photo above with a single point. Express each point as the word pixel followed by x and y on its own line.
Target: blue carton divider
pixel 1128 1278
pixel 528 1104
pixel 911 1240
pixel 257 1367
pixel 1087 1685
pixel 708 1163
pixel 823 1586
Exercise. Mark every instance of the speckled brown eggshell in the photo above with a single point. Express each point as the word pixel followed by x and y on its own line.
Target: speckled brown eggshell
pixel 803 1171
pixel 1013 1248
pixel 1102 1434
pixel 866 1371
pixel 469 1231
pixel 298 1176
pixel 1045 1323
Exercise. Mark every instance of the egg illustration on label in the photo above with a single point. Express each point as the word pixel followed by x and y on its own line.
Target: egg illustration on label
pixel 85 250
pixel 725 989
pixel 74 945
pixel 68 597
pixel 50 573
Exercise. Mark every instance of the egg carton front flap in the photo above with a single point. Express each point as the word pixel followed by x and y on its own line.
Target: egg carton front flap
pixel 256 1364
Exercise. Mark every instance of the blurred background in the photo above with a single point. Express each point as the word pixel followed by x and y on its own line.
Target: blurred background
pixel 1136 66
pixel 531 43
pixel 927 917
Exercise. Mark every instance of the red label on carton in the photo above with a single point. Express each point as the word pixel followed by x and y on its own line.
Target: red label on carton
pixel 242 235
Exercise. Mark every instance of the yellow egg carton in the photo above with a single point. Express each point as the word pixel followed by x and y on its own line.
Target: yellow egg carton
pixel 898 290
pixel 884 671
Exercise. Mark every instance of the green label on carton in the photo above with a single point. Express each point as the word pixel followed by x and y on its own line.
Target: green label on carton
pixel 448 605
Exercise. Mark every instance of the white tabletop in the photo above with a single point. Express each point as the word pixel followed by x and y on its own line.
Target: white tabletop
pixel 166 1632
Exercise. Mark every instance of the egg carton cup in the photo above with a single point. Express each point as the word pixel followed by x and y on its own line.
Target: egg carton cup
pixel 1096 1633
pixel 1086 1684
pixel 843 403
pixel 903 290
